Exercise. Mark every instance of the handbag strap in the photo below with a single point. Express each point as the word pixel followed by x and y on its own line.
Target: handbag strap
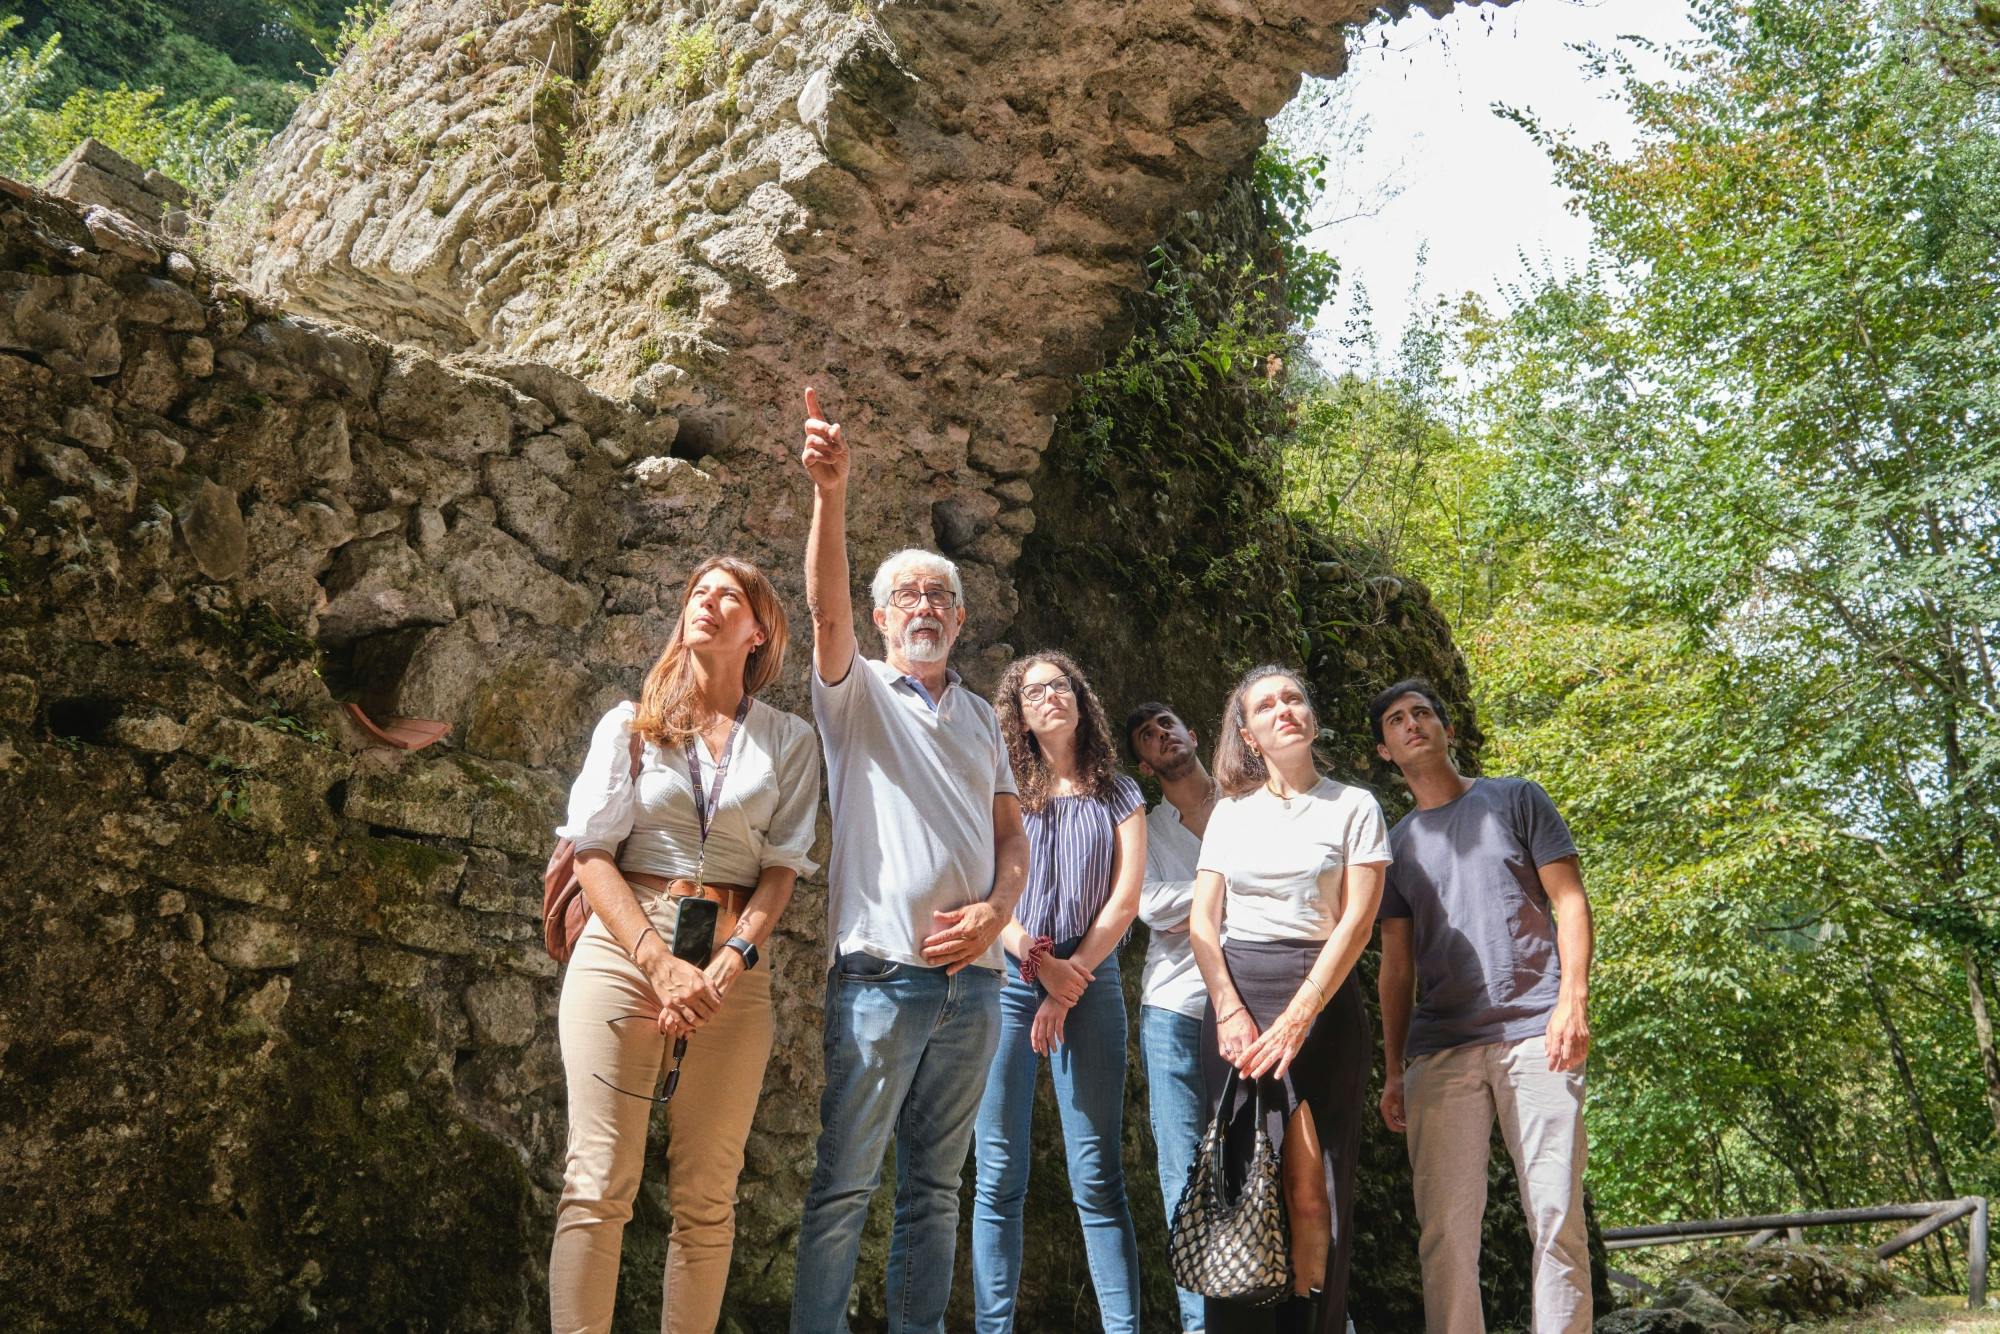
pixel 1218 1130
pixel 1218 1138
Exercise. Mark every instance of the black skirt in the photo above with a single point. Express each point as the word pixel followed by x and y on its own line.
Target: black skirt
pixel 1329 1075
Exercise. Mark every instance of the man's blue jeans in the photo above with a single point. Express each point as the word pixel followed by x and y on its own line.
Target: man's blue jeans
pixel 1171 1043
pixel 1089 1074
pixel 907 1050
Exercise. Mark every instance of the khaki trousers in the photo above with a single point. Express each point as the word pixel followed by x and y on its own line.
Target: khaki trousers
pixel 1451 1098
pixel 707 1124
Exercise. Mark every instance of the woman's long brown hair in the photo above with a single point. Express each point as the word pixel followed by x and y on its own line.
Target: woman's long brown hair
pixel 667 712
pixel 1239 769
pixel 1096 765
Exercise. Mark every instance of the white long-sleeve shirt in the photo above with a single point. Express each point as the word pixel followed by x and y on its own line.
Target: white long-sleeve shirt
pixel 1170 980
pixel 770 800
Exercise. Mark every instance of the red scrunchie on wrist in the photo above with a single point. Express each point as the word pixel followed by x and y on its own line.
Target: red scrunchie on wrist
pixel 1031 966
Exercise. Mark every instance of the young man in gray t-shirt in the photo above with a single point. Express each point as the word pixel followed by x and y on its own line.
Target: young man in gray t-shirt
pixel 1483 914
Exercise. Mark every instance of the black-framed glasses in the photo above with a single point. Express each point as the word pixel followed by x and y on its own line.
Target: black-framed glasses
pixel 909 598
pixel 1041 690
pixel 673 1075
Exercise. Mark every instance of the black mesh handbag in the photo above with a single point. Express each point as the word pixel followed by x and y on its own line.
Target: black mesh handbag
pixel 1236 1250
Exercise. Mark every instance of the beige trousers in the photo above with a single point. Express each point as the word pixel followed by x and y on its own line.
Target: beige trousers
pixel 707 1124
pixel 1451 1098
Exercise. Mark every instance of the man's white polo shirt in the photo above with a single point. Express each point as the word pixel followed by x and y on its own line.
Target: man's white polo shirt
pixel 912 789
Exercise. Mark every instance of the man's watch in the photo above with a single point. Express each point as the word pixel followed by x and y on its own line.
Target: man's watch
pixel 744 948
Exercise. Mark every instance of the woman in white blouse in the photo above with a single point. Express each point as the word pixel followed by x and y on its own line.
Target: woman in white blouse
pixel 1290 873
pixel 722 808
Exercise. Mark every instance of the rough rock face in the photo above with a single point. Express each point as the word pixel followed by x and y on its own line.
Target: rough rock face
pixel 94 174
pixel 1781 1285
pixel 278 1017
pixel 932 211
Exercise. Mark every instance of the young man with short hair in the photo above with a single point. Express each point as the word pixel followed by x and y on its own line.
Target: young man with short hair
pixel 1172 997
pixel 1484 914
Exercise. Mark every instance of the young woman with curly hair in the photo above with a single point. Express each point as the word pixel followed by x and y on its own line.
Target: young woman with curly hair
pixel 699 791
pixel 1086 826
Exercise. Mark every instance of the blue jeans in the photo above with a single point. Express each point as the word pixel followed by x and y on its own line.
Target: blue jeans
pixel 1089 1074
pixel 907 1050
pixel 1171 1042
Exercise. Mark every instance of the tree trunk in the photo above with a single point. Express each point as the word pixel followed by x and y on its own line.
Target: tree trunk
pixel 1917 1113
pixel 1982 1028
pixel 1921 1120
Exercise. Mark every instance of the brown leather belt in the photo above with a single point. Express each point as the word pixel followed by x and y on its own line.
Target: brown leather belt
pixel 731 899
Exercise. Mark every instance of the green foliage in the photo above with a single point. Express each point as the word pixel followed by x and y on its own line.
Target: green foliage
pixel 232 793
pixel 1218 324
pixel 276 719
pixel 1382 452
pixel 203 146
pixel 1187 353
pixel 1290 184
pixel 732 83
pixel 1716 518
pixel 250 51
pixel 1770 407
pixel 363 26
pixel 599 17
pixel 24 73
pixel 693 57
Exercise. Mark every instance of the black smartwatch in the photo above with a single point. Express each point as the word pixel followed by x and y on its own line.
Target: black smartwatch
pixel 744 948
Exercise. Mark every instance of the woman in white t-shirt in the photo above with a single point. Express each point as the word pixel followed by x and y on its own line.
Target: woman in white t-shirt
pixel 1290 873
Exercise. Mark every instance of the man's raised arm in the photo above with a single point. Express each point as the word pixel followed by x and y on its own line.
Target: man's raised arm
pixel 827 588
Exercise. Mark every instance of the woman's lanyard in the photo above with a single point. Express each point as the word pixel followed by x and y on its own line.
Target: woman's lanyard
pixel 714 799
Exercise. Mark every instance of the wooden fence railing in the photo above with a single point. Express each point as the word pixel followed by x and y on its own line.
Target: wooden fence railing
pixel 1927 1217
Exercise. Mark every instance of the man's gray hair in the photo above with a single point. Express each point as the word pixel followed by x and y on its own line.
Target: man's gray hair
pixel 913 560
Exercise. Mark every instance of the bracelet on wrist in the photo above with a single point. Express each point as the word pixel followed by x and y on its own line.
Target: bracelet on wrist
pixel 649 931
pixel 1225 1018
pixel 1031 962
pixel 1316 992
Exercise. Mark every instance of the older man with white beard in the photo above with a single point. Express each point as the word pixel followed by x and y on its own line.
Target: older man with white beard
pixel 928 858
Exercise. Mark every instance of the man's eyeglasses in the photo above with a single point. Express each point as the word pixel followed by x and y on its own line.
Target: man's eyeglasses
pixel 908 599
pixel 1041 690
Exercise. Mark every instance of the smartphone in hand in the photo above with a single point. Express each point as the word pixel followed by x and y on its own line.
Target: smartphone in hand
pixel 694 931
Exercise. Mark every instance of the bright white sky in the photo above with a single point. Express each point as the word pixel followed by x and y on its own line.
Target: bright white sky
pixel 1473 188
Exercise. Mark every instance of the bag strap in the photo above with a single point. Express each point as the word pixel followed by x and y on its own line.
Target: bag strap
pixel 1218 1137
pixel 638 746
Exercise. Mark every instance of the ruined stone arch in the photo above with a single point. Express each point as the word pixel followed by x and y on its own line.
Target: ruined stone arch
pixel 504 334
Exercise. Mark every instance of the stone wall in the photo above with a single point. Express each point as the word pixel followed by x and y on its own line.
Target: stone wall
pixel 278 1037
pixel 95 174
pixel 933 212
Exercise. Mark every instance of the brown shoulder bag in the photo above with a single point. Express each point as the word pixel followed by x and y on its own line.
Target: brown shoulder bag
pixel 565 907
